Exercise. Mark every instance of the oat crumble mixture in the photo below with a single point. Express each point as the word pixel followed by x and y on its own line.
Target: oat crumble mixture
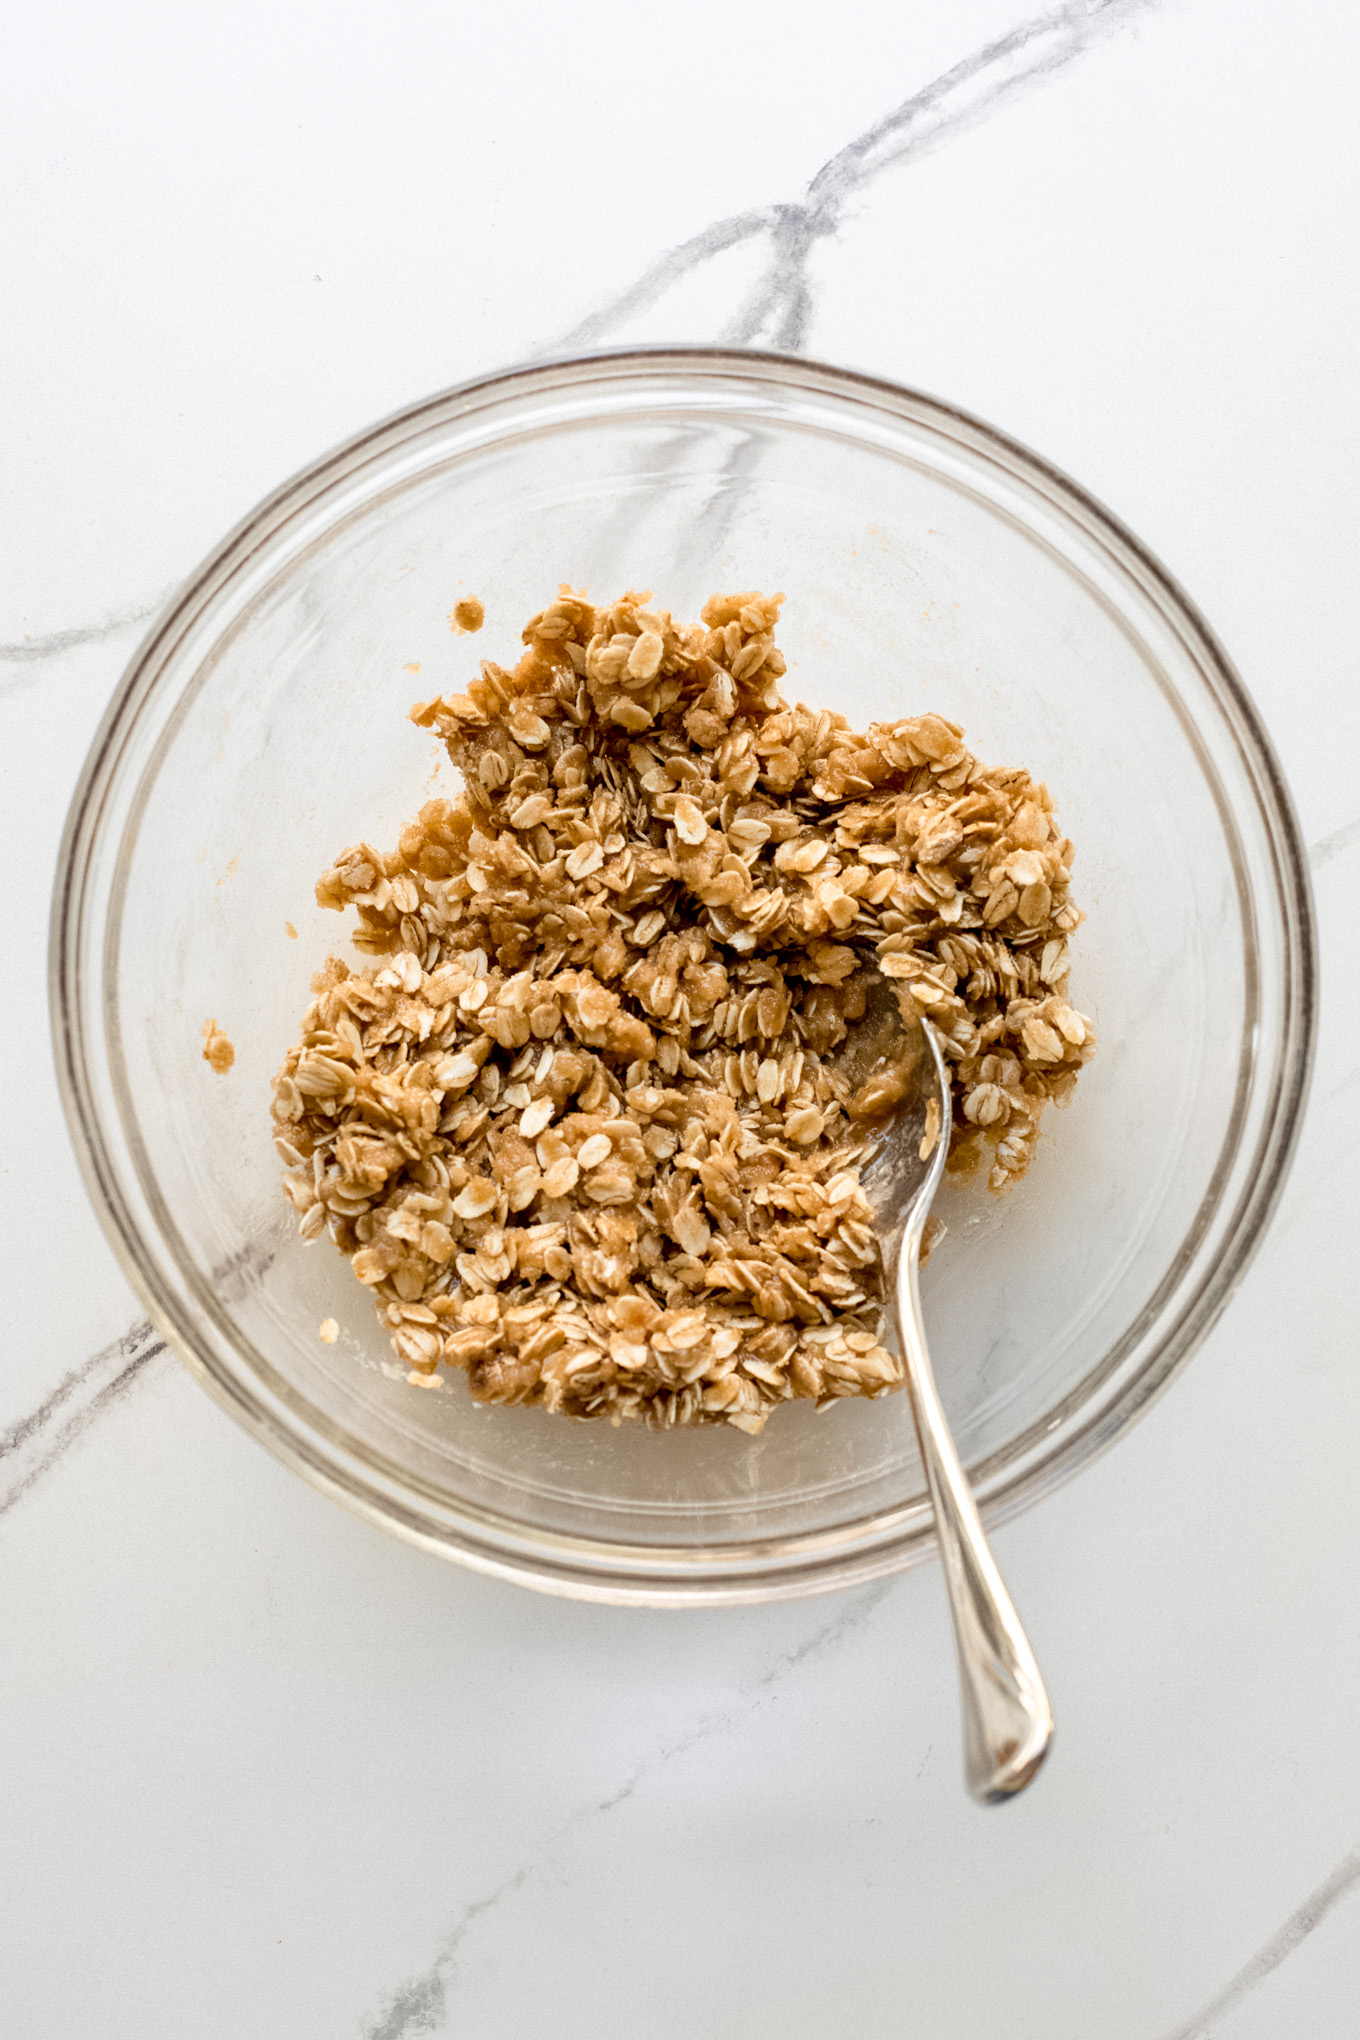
pixel 576 1124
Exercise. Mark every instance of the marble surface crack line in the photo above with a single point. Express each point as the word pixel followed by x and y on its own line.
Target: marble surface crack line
pixel 1281 1944
pixel 420 2004
pixel 652 285
pixel 36 1442
pixel 780 305
pixel 1321 853
pixel 35 651
pixel 820 1641
pixel 32 1446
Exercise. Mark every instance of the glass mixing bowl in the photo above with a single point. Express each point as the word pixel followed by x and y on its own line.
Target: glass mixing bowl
pixel 929 562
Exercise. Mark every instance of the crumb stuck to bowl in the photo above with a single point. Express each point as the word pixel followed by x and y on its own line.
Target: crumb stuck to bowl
pixel 467 615
pixel 576 1123
pixel 218 1052
pixel 328 1331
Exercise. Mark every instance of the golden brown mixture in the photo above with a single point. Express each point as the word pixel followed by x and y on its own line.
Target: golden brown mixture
pixel 576 1125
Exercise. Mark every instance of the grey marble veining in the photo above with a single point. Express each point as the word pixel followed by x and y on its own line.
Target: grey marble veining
pixel 31 1447
pixel 127 1392
pixel 53 644
pixel 420 2003
pixel 1336 844
pixel 1295 1930
pixel 778 311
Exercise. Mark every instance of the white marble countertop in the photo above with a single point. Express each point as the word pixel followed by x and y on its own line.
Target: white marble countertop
pixel 269 1773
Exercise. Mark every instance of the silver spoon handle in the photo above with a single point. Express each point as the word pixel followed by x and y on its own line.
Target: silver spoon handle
pixel 1007 1722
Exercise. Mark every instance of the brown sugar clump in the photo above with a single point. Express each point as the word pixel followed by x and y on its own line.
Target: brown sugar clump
pixel 468 614
pixel 577 1123
pixel 218 1052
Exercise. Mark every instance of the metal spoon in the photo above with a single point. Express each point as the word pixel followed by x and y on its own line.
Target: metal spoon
pixel 896 1075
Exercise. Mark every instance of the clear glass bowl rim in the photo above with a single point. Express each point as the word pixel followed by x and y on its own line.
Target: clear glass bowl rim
pixel 575 1566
